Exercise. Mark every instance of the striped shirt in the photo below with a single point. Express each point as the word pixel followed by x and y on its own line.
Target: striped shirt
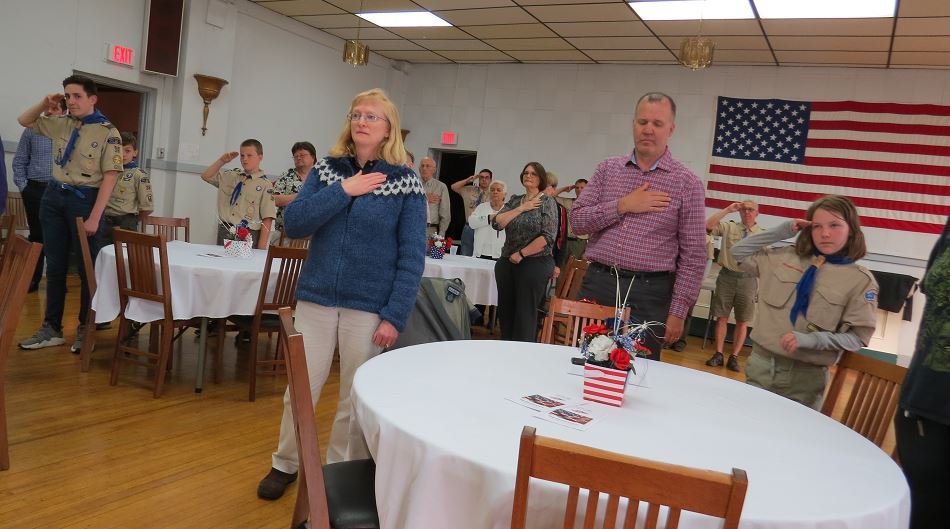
pixel 33 159
pixel 672 240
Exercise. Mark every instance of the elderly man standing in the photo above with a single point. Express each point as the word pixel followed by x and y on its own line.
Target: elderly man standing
pixel 734 288
pixel 645 214
pixel 437 196
pixel 472 196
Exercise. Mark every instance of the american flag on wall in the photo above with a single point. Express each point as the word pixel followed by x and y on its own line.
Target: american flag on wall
pixel 892 160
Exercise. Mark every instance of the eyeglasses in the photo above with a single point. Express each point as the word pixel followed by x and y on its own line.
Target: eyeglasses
pixel 747 210
pixel 369 118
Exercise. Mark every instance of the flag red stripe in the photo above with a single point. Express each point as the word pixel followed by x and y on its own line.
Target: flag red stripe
pixel 829 180
pixel 893 128
pixel 607 397
pixel 867 221
pixel 880 108
pixel 892 167
pixel 805 196
pixel 878 146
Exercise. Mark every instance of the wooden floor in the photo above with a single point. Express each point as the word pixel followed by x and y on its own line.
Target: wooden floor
pixel 88 455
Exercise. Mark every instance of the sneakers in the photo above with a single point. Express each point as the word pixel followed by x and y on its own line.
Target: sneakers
pixel 733 363
pixel 80 335
pixel 716 360
pixel 273 485
pixel 46 336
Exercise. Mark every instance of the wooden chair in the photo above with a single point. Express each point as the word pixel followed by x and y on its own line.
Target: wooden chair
pixel 17 268
pixel 293 243
pixel 16 208
pixel 566 319
pixel 7 233
pixel 637 480
pixel 874 396
pixel 137 278
pixel 89 340
pixel 284 294
pixel 569 282
pixel 168 227
pixel 335 496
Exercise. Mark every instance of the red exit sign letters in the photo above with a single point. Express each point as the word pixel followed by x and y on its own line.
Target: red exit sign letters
pixel 120 54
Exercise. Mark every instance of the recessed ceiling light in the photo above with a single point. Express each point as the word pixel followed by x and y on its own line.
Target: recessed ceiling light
pixel 404 19
pixel 826 9
pixel 692 9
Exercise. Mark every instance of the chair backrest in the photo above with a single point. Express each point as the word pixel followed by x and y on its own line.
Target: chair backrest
pixel 168 227
pixel 311 493
pixel 16 208
pixel 290 262
pixel 86 256
pixel 573 316
pixel 569 282
pixel 293 243
pixel 141 278
pixel 874 395
pixel 637 480
pixel 7 233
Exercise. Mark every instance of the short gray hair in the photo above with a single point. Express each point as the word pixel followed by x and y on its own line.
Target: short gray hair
pixel 656 97
pixel 504 186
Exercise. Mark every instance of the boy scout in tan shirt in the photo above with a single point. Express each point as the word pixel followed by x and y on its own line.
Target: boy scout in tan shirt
pixel 131 199
pixel 243 194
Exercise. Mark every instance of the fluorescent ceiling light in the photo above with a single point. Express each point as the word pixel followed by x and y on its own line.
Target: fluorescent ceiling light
pixel 693 9
pixel 404 19
pixel 826 9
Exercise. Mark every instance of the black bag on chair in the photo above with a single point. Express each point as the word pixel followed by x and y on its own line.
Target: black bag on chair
pixel 441 314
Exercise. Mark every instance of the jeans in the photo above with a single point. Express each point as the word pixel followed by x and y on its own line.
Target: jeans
pixel 32 197
pixel 58 212
pixel 467 244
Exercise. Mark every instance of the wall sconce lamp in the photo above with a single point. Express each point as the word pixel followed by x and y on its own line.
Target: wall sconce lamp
pixel 208 88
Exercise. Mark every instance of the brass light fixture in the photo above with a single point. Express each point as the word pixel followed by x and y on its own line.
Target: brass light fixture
pixel 354 51
pixel 208 89
pixel 696 52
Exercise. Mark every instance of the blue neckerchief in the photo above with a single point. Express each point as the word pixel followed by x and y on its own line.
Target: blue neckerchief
pixel 807 282
pixel 131 165
pixel 237 189
pixel 95 117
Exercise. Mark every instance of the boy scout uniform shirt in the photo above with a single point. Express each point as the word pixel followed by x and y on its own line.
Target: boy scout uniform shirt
pixel 132 193
pixel 843 299
pixel 254 203
pixel 731 233
pixel 98 149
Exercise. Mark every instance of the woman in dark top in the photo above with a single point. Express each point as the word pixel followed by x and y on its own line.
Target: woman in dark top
pixel 526 264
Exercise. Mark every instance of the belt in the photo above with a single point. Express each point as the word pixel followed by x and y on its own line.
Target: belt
pixel 630 273
pixel 733 273
pixel 41 183
pixel 432 225
pixel 76 190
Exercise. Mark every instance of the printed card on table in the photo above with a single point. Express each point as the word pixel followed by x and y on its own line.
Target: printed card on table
pixel 578 417
pixel 544 401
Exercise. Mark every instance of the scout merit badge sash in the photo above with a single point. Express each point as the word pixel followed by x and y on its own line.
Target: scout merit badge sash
pixel 95 117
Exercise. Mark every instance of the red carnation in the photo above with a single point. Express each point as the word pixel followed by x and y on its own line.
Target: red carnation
pixel 595 328
pixel 242 233
pixel 620 358
pixel 642 349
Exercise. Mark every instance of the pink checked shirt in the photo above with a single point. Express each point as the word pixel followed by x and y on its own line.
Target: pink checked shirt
pixel 671 240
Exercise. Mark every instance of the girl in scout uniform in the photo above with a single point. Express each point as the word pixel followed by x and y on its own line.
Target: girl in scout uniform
pixel 814 301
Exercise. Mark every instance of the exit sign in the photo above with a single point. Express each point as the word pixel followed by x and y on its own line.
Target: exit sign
pixel 449 138
pixel 120 54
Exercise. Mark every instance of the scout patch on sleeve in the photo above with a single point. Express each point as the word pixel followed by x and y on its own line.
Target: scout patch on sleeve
pixel 113 140
pixel 117 160
pixel 870 295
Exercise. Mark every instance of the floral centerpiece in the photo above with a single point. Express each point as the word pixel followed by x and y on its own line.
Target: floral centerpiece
pixel 438 246
pixel 237 239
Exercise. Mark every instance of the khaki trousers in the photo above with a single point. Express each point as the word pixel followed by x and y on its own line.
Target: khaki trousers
pixel 323 328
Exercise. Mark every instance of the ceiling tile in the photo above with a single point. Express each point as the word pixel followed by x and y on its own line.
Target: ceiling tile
pixel 462 4
pixel 616 43
pixel 509 31
pixel 630 55
pixel 842 26
pixel 364 33
pixel 631 28
pixel 924 8
pixel 475 55
pixel 581 13
pixel 487 17
pixel 936 58
pixel 922 26
pixel 555 2
pixel 453 44
pixel 530 44
pixel 758 56
pixel 334 21
pixel 831 43
pixel 548 55
pixel 413 56
pixel 922 43
pixel 723 42
pixel 833 57
pixel 393 44
pixel 710 27
pixel 670 62
pixel 375 6
pixel 430 33
pixel 302 7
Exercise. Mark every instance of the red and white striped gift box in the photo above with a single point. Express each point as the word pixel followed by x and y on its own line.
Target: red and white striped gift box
pixel 604 385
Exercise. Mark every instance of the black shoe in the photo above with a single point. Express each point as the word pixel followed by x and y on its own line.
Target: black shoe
pixel 274 484
pixel 715 361
pixel 732 364
pixel 679 346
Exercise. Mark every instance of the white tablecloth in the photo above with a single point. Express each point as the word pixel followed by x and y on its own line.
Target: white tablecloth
pixel 477 274
pixel 202 285
pixel 445 441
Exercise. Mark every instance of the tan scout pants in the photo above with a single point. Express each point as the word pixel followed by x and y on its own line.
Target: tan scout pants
pixel 800 381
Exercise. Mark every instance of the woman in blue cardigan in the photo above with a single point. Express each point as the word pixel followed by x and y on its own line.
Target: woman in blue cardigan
pixel 366 213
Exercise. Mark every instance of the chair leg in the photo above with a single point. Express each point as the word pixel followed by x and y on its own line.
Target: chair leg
pixel 4 441
pixel 88 343
pixel 252 367
pixel 116 356
pixel 302 505
pixel 168 329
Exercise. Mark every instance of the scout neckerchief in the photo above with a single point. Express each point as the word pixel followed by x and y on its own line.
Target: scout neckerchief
pixel 95 117
pixel 807 282
pixel 237 189
pixel 131 165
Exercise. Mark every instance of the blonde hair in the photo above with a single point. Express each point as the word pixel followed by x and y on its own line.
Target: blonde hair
pixel 392 150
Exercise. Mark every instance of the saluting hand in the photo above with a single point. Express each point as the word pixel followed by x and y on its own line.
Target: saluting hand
pixel 228 156
pixel 642 200
pixel 52 102
pixel 800 224
pixel 360 184
pixel 735 206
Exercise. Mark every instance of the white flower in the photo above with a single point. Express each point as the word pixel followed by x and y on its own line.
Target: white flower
pixel 600 347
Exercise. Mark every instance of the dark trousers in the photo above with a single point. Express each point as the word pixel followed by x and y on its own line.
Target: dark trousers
pixel 467 244
pixel 649 299
pixel 110 222
pixel 521 288
pixel 924 450
pixel 224 234
pixel 32 197
pixel 58 213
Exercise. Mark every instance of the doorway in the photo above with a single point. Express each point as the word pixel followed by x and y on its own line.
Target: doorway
pixel 455 166
pixel 125 109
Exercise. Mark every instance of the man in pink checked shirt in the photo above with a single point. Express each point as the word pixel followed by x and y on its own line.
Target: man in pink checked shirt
pixel 645 214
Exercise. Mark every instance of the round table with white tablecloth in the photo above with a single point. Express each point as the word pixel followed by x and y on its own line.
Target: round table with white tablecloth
pixel 477 274
pixel 445 441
